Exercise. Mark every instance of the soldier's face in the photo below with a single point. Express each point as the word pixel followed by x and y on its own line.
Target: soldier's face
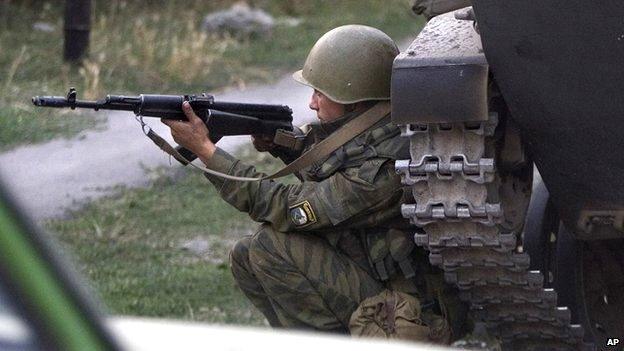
pixel 326 109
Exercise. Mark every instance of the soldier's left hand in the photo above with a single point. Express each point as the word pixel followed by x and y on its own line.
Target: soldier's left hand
pixel 191 134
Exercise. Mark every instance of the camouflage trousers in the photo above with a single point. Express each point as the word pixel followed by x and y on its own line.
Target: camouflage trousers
pixel 300 281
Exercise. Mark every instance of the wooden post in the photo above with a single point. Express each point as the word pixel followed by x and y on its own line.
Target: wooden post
pixel 4 14
pixel 77 29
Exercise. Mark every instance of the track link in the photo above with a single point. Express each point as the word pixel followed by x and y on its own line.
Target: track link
pixel 471 233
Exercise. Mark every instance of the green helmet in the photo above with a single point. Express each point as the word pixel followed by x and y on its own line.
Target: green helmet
pixel 349 64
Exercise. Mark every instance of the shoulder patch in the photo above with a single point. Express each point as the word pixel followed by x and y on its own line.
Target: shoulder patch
pixel 302 214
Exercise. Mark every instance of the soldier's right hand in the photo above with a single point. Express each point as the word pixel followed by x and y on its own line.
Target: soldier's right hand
pixel 263 143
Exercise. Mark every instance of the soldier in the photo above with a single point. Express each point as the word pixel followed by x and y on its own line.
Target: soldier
pixel 337 239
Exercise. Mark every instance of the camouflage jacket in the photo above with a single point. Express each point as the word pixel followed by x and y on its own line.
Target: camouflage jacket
pixel 352 198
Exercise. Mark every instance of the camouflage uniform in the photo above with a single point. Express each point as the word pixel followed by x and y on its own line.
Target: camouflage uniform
pixel 330 241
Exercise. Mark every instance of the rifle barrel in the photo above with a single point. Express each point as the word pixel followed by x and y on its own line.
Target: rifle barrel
pixel 168 105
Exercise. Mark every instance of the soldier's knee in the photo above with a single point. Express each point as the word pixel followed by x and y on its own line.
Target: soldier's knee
pixel 239 257
pixel 266 246
pixel 240 250
pixel 265 239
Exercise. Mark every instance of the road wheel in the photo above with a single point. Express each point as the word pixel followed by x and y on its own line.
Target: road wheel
pixel 589 278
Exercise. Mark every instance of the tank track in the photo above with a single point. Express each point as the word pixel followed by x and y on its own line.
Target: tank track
pixel 470 233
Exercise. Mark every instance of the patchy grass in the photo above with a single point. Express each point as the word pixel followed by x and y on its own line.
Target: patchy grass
pixel 158 48
pixel 162 251
pixel 131 246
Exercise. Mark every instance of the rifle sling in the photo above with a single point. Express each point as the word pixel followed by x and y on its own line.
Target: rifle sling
pixel 321 150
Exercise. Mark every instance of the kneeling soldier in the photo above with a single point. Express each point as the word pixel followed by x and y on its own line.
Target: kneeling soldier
pixel 336 240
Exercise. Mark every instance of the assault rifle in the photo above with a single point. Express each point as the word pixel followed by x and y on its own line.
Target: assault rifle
pixel 221 118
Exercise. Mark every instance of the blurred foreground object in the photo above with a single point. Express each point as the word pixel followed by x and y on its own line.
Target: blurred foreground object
pixel 43 305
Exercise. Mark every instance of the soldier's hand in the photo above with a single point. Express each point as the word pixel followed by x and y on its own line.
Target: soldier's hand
pixel 191 134
pixel 263 143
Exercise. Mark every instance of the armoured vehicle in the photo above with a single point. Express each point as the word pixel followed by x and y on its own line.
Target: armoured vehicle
pixel 514 110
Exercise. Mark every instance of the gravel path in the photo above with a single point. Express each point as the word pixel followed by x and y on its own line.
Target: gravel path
pixel 62 174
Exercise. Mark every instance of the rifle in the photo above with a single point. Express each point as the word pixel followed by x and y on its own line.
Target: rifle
pixel 221 118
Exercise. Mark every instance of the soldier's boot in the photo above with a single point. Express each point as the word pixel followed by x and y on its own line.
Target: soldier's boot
pixel 248 283
pixel 309 282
